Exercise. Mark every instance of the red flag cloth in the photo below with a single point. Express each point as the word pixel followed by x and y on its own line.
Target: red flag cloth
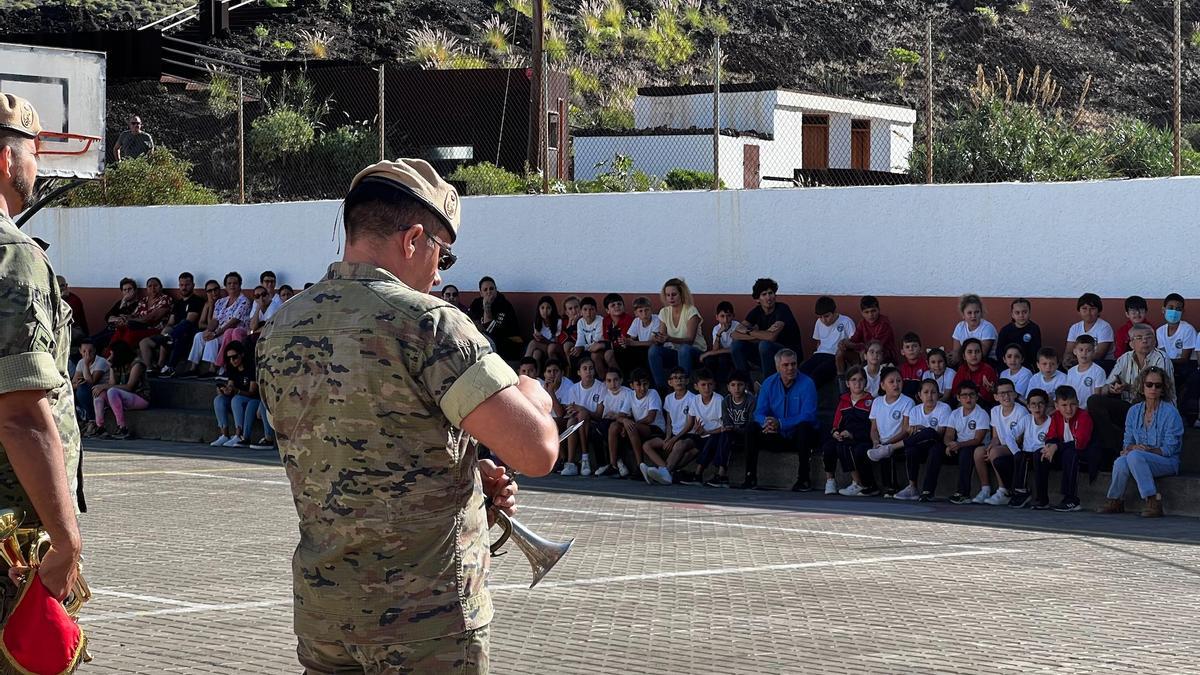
pixel 39 637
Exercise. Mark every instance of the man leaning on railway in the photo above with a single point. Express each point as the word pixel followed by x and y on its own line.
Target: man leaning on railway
pixel 39 437
pixel 376 390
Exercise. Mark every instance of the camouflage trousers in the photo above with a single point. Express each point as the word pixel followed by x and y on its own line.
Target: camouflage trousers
pixel 465 653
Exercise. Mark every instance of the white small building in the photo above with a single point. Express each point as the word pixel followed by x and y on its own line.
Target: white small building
pixel 766 132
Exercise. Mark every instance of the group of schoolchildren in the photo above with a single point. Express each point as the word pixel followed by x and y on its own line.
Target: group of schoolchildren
pixel 997 404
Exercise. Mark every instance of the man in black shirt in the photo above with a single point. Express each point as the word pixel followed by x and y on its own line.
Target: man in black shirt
pixel 768 328
pixel 172 344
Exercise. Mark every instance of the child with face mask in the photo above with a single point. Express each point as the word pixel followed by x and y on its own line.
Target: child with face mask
pixel 1177 338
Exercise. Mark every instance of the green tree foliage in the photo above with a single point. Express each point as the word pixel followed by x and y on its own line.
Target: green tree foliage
pixel 280 133
pixel 158 178
pixel 689 179
pixel 486 178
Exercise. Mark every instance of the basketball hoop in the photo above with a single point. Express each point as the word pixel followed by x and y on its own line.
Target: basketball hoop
pixel 40 143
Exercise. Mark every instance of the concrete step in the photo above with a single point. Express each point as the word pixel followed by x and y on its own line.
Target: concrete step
pixel 186 426
pixel 185 394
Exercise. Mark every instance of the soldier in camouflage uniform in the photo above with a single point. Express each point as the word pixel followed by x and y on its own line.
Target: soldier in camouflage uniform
pixel 39 437
pixel 376 389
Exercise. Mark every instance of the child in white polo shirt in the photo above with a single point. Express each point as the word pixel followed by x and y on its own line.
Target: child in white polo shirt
pixel 832 331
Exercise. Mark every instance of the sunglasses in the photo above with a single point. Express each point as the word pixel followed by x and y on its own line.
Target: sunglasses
pixel 233 356
pixel 968 394
pixel 446 259
pixel 1154 385
pixel 259 296
pixel 211 290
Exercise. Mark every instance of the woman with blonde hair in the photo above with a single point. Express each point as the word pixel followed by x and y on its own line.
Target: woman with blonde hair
pixel 680 342
pixel 1152 443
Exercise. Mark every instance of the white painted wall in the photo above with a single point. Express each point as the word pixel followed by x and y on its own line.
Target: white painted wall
pixel 744 111
pixel 657 155
pixel 941 240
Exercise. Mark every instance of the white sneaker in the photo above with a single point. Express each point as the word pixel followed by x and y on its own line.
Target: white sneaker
pixel 851 490
pixel 831 486
pixel 879 453
pixel 1001 498
pixel 908 494
pixel 622 469
pixel 570 469
pixel 220 441
pixel 646 473
pixel 604 470
pixel 663 475
pixel 982 497
pixel 585 467
pixel 235 442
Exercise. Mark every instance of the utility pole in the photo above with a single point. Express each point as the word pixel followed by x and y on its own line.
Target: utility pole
pixel 536 94
pixel 716 163
pixel 382 105
pixel 929 101
pixel 1178 103
pixel 241 136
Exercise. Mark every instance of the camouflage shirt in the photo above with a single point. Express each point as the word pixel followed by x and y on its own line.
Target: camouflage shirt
pixel 366 381
pixel 35 341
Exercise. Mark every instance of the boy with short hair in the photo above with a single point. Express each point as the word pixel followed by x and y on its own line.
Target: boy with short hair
pixel 89 370
pixel 1023 332
pixel 679 413
pixel 719 357
pixel 873 326
pixel 965 431
pixel 1136 310
pixel 1086 378
pixel 714 444
pixel 1177 337
pixel 590 343
pixel 832 331
pixel 737 419
pixel 616 325
pixel 1067 439
pixel 1089 307
pixel 616 406
pixel 1008 421
pixel 528 367
pixel 1048 377
pixel 646 422
pixel 639 337
pixel 584 399
pixel 913 364
pixel 559 388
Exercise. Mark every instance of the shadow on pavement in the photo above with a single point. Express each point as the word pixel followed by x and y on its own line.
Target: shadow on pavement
pixel 92 448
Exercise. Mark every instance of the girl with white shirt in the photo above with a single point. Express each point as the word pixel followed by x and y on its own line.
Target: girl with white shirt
pixel 1015 370
pixel 547 326
pixel 927 424
pixel 973 325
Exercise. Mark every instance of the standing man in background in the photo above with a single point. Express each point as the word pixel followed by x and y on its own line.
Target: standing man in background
pixel 133 142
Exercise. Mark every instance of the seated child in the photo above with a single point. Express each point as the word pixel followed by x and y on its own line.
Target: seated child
pixel 1031 441
pixel 1067 440
pixel 679 412
pixel 547 328
pixel 737 420
pixel 646 422
pixel 590 343
pixel 1049 377
pixel 941 373
pixel 974 369
pixel 719 357
pixel 528 367
pixel 616 326
pixel 640 334
pixel 1014 360
pixel 1089 307
pixel 851 432
pixel 1024 333
pixel 1086 378
pixel 912 364
pixel 889 426
pixel 714 441
pixel 832 331
pixel 874 367
pixel 967 428
pixel 559 388
pixel 584 400
pixel 1136 311
pixel 615 409
pixel 1177 338
pixel 874 326
pixel 570 331
pixel 973 326
pixel 927 424
pixel 1008 420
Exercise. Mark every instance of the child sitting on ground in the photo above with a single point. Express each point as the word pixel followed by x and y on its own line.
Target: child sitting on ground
pixel 1086 378
pixel 1008 420
pixel 941 373
pixel 1067 440
pixel 1014 359
pixel 967 428
pixel 927 424
pixel 832 331
pixel 851 432
pixel 1023 332
pixel 1048 377
pixel 1031 439
pixel 889 426
pixel 616 407
pixel 679 412
pixel 913 364
pixel 874 326
pixel 972 326
pixel 973 368
pixel 719 357
pixel 710 427
pixel 737 418
pixel 584 399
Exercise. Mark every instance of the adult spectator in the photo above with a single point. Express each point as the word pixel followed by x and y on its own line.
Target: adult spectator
pixel 496 318
pixel 134 141
pixel 127 388
pixel 768 328
pixel 79 327
pixel 89 370
pixel 148 319
pixel 268 280
pixel 1110 407
pixel 786 413
pixel 118 314
pixel 239 392
pixel 680 341
pixel 265 305
pixel 1152 443
pixel 450 295
pixel 206 354
pixel 228 324
pixel 162 352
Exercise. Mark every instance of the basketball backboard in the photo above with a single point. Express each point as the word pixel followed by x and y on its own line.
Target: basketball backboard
pixel 66 87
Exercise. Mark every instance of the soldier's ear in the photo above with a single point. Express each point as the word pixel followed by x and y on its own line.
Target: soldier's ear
pixel 410 238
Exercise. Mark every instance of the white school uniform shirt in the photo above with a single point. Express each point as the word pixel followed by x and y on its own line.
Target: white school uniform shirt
pixel 828 337
pixel 641 332
pixel 620 402
pixel 966 426
pixel 889 417
pixel 272 307
pixel 710 414
pixel 642 407
pixel 589 333
pixel 1038 381
pixel 938 418
pixel 984 331
pixel 99 365
pixel 1009 428
pixel 588 397
pixel 1101 330
pixel 545 331
pixel 562 394
pixel 1033 435
pixel 679 409
pixel 726 339
pixel 945 382
pixel 1087 382
pixel 873 381
pixel 1019 379
pixel 1173 345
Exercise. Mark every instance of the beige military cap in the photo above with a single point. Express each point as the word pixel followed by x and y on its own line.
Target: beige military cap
pixel 18 115
pixel 422 182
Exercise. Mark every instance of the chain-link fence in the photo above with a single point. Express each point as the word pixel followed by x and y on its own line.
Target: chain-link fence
pixel 1032 90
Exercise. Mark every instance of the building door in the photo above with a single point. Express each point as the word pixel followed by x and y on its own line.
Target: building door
pixel 815 136
pixel 860 145
pixel 750 167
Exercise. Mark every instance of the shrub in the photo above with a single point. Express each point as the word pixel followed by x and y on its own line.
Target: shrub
pixel 341 153
pixel 280 133
pixel 486 178
pixel 621 176
pixel 222 94
pixel 1023 7
pixel 157 178
pixel 315 43
pixel 904 60
pixel 989 15
pixel 431 47
pixel 689 179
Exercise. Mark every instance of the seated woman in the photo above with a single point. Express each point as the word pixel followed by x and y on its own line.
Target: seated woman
pixel 680 342
pixel 117 315
pixel 127 389
pixel 228 324
pixel 1153 440
pixel 148 319
pixel 239 392
pixel 496 318
pixel 264 308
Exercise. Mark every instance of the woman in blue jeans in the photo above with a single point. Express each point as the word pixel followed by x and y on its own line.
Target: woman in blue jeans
pixel 1153 440
pixel 680 342
pixel 240 393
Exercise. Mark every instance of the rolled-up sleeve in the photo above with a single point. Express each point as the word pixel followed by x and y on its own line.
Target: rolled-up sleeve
pixel 27 338
pixel 459 368
pixel 488 376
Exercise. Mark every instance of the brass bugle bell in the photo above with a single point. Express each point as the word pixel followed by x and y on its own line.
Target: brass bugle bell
pixel 542 554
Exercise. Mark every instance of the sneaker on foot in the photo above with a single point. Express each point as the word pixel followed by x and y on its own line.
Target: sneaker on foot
pixel 831 487
pixel 263 444
pixel 687 478
pixel 1041 506
pixel 121 434
pixel 908 494
pixel 869 492
pixel 751 483
pixel 925 497
pixel 585 468
pixel 1068 505
pixel 570 469
pixel 622 470
pixel 1019 500
pixel 879 453
pixel 663 475
pixel 235 442
pixel 646 473
pixel 851 490
pixel 959 498
pixel 604 470
pixel 982 496
pixel 222 440
pixel 801 485
pixel 1001 498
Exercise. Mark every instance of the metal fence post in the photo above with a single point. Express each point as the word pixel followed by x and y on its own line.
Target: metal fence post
pixel 382 125
pixel 716 163
pixel 241 136
pixel 929 101
pixel 1177 145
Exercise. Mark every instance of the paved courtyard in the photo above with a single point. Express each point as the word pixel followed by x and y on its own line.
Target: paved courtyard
pixel 188 548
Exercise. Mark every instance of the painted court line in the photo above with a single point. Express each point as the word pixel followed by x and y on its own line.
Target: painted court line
pixel 159 472
pixel 244 480
pixel 145 598
pixel 116 616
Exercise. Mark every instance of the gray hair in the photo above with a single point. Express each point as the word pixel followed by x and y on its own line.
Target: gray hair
pixel 783 354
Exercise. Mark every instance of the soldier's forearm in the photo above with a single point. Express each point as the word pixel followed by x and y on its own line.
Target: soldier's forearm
pixel 35 450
